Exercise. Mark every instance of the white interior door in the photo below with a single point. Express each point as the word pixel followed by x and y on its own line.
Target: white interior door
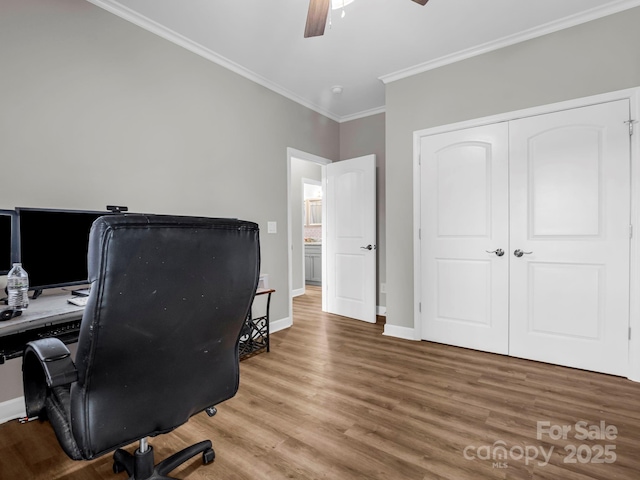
pixel 570 214
pixel 349 238
pixel 464 217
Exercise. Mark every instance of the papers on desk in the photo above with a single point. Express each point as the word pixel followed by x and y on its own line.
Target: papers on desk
pixel 79 301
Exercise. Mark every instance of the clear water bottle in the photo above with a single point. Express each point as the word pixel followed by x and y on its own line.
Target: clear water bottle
pixel 18 287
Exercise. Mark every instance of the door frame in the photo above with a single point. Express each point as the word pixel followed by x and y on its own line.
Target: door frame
pixel 300 155
pixel 633 95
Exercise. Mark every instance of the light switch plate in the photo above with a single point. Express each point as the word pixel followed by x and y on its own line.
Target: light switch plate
pixel 272 227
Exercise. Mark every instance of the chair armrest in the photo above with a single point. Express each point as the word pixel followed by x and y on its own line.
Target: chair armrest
pixel 55 359
pixel 46 364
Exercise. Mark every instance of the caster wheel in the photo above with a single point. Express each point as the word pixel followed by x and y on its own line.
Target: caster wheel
pixel 208 456
pixel 118 467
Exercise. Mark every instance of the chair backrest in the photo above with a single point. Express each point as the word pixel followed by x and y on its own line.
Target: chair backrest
pixel 159 337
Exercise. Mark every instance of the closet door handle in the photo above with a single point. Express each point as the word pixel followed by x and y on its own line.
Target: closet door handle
pixel 499 252
pixel 518 253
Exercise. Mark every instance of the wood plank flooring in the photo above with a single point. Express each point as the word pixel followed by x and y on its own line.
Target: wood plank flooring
pixel 335 399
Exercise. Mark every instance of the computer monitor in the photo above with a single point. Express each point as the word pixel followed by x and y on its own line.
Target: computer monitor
pixel 53 246
pixel 8 240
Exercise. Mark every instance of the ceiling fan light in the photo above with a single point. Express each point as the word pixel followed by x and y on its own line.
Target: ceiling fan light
pixel 336 4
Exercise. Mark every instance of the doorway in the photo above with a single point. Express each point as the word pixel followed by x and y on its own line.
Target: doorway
pixel 301 167
pixel 312 230
pixel 349 246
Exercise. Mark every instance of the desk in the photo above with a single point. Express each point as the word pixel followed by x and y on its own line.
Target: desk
pixel 50 315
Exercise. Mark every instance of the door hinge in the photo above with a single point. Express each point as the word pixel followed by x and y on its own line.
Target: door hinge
pixel 420 307
pixel 419 159
pixel 630 122
pixel 419 234
pixel 630 231
pixel 629 333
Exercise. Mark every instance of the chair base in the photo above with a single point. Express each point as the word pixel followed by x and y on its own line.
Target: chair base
pixel 140 465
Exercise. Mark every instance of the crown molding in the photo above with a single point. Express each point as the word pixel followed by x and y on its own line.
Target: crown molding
pixel 126 13
pixel 116 8
pixel 557 25
pixel 362 114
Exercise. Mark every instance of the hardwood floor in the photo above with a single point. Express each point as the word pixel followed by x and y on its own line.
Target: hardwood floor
pixel 335 399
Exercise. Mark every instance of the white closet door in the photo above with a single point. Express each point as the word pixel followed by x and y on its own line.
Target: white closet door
pixel 570 214
pixel 464 215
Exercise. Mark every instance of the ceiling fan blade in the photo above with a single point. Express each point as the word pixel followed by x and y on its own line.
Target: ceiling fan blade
pixel 316 18
pixel 421 2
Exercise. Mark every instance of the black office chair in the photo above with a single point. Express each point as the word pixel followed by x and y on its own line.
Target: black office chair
pixel 158 341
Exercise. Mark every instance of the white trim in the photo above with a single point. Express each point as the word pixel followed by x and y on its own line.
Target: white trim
pixel 631 94
pixel 277 325
pixel 297 292
pixel 162 31
pixel 406 333
pixel 310 157
pixel 362 114
pixel 12 409
pixel 323 249
pixel 417 256
pixel 628 93
pixel 554 26
pixel 634 270
pixel 381 311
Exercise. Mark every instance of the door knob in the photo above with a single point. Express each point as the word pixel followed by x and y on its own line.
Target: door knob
pixel 499 252
pixel 518 253
pixel 368 247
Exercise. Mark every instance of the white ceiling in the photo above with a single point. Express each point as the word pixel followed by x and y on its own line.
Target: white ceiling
pixel 376 41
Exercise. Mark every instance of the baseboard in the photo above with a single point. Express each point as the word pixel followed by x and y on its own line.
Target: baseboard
pixel 12 409
pixel 297 292
pixel 406 333
pixel 277 325
pixel 381 311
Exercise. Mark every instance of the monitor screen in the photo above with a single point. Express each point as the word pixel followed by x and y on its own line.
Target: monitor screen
pixel 53 245
pixel 7 241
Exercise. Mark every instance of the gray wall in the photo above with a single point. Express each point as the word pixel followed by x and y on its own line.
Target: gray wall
pixel 592 58
pixel 97 111
pixel 299 169
pixel 365 136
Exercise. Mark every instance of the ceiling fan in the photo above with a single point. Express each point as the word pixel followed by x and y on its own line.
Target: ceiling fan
pixel 317 16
